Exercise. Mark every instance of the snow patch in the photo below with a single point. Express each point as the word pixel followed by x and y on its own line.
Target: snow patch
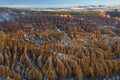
pixel 59 54
pixel 5 16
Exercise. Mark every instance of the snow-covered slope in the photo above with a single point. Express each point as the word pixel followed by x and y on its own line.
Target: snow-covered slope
pixel 5 16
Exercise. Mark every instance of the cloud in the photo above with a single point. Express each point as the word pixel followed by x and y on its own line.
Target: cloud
pixel 39 6
pixel 15 6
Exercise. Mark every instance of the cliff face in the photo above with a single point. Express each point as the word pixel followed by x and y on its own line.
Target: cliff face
pixel 53 47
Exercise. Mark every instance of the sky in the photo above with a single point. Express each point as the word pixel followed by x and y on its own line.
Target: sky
pixel 55 3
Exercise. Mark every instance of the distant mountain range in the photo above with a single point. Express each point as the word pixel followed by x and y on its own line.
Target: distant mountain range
pixel 73 8
pixel 87 7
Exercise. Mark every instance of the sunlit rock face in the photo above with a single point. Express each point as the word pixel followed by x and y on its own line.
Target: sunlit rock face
pixel 54 47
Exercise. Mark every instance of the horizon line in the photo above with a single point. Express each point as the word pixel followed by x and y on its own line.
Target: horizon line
pixel 50 5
